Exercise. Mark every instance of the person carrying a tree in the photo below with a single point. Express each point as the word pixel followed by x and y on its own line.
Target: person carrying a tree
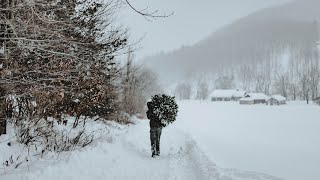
pixel 162 110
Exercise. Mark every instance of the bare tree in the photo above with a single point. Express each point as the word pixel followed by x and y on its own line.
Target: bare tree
pixel 183 91
pixel 203 90
pixel 282 85
pixel 3 122
pixel 293 71
pixel 224 82
pixel 62 55
pixel 147 13
pixel 305 87
pixel 245 75
pixel 139 84
pixel 314 75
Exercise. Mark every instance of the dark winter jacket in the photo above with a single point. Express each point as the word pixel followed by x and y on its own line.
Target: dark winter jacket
pixel 155 122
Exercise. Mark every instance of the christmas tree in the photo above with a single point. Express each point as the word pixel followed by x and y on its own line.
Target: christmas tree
pixel 165 108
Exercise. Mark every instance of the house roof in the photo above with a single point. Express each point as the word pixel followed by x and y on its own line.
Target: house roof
pixel 255 96
pixel 278 97
pixel 223 93
pixel 316 99
pixel 246 99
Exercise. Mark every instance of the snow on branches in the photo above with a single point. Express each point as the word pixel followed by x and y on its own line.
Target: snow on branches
pixel 165 108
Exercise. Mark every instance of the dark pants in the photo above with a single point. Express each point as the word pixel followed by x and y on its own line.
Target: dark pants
pixel 155 134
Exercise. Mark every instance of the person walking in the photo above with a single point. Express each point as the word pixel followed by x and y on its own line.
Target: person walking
pixel 162 111
pixel 155 130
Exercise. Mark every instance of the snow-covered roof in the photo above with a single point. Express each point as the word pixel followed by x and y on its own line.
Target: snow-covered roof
pixel 278 97
pixel 223 93
pixel 239 93
pixel 246 99
pixel 316 99
pixel 255 96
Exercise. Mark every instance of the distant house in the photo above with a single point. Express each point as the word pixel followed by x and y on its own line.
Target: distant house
pixel 254 98
pixel 317 100
pixel 227 95
pixel 277 100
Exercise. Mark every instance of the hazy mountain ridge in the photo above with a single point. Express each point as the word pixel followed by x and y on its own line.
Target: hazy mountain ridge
pixel 247 40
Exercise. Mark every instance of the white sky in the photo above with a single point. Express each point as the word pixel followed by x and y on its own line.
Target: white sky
pixel 193 20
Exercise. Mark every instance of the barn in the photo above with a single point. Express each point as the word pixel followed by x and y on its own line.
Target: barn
pixel 227 95
pixel 254 98
pixel 317 100
pixel 277 100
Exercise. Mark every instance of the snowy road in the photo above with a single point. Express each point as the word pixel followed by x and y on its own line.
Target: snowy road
pixel 126 155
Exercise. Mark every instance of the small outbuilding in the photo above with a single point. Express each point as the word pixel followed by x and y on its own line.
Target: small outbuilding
pixel 277 100
pixel 254 98
pixel 227 95
pixel 317 100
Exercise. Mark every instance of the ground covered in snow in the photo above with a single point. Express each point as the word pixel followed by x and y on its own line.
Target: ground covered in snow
pixel 278 140
pixel 124 153
pixel 206 139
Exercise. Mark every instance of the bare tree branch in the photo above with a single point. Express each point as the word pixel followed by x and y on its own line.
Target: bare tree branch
pixel 148 15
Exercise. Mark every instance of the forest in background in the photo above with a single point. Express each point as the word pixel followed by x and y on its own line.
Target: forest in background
pixel 274 50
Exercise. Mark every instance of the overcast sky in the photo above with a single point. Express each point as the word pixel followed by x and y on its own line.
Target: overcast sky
pixel 193 20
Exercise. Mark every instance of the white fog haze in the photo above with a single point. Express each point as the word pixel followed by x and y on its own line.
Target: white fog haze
pixel 159 89
pixel 249 39
pixel 191 22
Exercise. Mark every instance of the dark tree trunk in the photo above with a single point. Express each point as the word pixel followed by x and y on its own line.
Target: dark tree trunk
pixel 3 126
pixel 3 121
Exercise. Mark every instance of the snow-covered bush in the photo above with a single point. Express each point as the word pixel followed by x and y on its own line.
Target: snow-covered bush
pixel 43 136
pixel 165 108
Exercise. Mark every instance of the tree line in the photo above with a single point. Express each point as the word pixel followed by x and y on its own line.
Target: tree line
pixel 293 72
pixel 62 58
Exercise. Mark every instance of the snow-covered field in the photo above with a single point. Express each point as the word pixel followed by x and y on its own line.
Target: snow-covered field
pixel 207 140
pixel 278 140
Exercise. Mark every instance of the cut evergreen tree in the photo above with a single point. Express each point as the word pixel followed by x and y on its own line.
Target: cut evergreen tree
pixel 165 108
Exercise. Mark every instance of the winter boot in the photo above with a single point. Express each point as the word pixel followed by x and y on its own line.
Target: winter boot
pixel 153 154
